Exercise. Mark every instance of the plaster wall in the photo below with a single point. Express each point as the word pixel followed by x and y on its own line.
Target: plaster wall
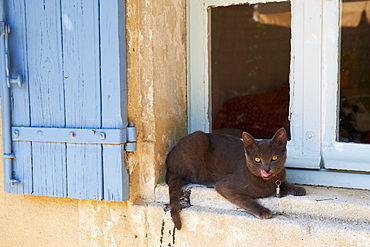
pixel 156 58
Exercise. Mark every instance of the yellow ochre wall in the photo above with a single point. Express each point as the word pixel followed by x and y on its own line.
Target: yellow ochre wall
pixel 156 56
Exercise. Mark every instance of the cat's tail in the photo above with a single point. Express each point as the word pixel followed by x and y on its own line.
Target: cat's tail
pixel 175 183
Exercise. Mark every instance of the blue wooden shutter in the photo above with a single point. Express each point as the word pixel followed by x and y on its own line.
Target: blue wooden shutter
pixel 68 119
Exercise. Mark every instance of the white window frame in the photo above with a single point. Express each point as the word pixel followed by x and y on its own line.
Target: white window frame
pixel 337 155
pixel 314 68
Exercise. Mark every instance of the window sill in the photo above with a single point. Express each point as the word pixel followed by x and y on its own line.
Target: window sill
pixel 320 202
pixel 341 179
pixel 324 217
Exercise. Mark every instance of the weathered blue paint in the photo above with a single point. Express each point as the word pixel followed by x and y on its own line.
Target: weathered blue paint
pixel 72 58
pixel 113 76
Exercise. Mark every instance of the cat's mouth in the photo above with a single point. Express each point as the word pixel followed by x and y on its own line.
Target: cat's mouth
pixel 265 175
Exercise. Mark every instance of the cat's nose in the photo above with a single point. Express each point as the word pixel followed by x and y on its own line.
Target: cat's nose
pixel 267 168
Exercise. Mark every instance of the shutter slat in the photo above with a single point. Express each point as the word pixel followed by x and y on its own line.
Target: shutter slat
pixel 46 92
pixel 49 169
pixel 114 96
pixel 83 99
pixel 85 178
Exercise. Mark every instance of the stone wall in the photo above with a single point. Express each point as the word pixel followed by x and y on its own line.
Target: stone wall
pixel 156 86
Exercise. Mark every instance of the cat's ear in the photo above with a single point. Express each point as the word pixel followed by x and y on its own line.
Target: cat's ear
pixel 280 138
pixel 248 141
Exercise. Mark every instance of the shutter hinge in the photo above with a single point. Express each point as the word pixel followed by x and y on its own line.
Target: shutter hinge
pixel 130 145
pixel 125 136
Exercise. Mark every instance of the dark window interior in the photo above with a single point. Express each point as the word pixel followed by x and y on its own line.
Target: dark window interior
pixel 354 116
pixel 250 64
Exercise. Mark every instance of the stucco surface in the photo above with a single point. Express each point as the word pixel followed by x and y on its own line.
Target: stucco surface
pixel 36 220
pixel 156 38
pixel 156 79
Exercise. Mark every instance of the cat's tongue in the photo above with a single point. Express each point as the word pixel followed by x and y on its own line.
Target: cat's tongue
pixel 264 174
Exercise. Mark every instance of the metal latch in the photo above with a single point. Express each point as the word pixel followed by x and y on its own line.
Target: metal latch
pixel 6 105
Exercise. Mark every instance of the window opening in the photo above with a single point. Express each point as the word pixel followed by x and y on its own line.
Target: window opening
pixel 249 68
pixel 354 116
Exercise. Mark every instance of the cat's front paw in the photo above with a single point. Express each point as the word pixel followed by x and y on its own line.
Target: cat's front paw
pixel 263 214
pixel 297 191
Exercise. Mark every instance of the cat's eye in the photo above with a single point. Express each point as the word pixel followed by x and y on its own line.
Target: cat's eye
pixel 258 160
pixel 274 158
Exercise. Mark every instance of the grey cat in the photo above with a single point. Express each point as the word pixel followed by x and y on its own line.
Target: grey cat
pixel 240 171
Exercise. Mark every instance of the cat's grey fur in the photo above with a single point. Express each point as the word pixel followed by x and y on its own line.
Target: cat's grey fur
pixel 241 171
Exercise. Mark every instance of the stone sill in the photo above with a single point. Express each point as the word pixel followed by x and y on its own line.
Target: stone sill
pixel 320 202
